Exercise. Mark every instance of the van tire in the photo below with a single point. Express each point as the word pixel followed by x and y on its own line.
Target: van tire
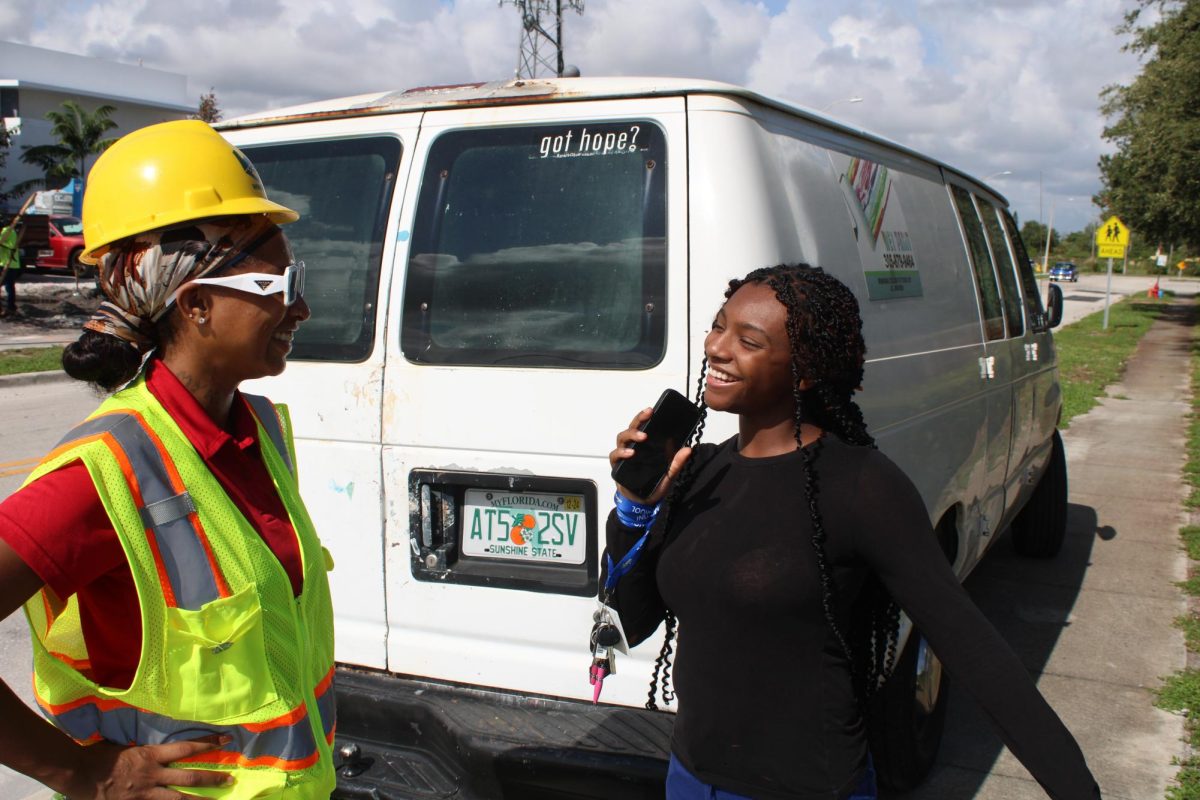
pixel 1040 527
pixel 908 716
pixel 77 267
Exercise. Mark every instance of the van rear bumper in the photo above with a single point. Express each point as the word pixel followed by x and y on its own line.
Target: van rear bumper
pixel 401 738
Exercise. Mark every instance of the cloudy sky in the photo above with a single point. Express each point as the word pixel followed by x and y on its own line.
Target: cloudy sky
pixel 990 86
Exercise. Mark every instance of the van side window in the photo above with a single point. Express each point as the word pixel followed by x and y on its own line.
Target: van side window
pixel 1002 258
pixel 342 189
pixel 540 246
pixel 1034 310
pixel 981 262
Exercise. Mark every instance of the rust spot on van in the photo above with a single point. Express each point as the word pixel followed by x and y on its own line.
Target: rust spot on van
pixel 426 98
pixel 443 87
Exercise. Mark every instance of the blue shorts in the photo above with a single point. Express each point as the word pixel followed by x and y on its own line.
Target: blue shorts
pixel 683 785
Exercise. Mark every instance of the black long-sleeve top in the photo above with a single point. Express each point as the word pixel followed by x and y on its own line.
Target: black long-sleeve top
pixel 766 703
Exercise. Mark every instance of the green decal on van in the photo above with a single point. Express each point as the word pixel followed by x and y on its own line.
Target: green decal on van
pixel 892 283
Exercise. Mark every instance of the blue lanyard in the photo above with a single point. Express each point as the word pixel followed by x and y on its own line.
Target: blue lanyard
pixel 632 515
pixel 627 562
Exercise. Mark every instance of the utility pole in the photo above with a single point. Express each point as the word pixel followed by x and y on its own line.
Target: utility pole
pixel 532 57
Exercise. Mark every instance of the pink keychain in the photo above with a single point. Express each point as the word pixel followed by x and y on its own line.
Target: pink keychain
pixel 596 676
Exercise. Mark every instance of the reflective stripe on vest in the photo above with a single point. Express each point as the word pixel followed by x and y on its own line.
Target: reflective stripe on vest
pixel 269 419
pixel 283 743
pixel 186 564
pixel 327 706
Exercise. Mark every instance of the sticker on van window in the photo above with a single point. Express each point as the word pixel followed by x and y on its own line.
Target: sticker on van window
pixel 890 263
pixel 590 141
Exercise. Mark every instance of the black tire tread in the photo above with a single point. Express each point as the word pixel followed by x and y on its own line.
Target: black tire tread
pixel 902 747
pixel 1041 526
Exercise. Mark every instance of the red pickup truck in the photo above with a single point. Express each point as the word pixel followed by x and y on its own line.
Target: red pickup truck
pixel 65 235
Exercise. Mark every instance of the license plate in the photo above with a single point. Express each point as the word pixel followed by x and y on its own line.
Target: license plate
pixel 45 253
pixel 524 526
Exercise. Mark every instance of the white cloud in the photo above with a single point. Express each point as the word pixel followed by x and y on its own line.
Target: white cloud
pixel 986 85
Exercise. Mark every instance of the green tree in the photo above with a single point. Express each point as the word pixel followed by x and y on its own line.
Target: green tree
pixel 80 134
pixel 1033 233
pixel 1152 181
pixel 208 111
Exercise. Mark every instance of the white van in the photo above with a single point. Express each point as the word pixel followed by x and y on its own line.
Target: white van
pixel 499 275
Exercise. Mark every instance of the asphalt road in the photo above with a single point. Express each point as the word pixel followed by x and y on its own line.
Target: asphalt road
pixel 1087 296
pixel 33 418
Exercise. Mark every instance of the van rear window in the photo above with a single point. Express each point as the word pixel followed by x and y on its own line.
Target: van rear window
pixel 540 246
pixel 342 189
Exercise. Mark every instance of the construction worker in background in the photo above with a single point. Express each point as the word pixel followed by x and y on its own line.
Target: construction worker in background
pixel 173 581
pixel 10 264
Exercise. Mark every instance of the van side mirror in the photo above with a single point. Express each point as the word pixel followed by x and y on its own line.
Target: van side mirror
pixel 1054 304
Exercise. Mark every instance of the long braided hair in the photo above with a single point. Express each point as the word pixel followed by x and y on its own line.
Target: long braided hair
pixel 824 331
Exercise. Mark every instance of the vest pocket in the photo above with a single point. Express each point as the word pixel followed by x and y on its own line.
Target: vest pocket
pixel 258 784
pixel 216 659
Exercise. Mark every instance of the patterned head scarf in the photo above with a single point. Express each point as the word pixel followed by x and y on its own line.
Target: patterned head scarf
pixel 141 274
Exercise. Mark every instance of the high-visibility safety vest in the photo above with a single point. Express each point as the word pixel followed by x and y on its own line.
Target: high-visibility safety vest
pixel 226 646
pixel 10 254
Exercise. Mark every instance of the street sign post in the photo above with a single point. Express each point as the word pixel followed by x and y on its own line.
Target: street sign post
pixel 1111 240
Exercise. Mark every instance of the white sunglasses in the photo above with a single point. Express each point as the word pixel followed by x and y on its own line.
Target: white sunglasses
pixel 291 283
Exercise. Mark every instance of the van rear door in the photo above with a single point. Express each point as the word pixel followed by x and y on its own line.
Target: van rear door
pixel 543 304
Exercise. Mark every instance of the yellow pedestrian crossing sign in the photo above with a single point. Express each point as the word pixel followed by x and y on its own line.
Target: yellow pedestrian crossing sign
pixel 1112 238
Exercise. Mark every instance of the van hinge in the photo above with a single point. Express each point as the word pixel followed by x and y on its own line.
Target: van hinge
pixel 987 367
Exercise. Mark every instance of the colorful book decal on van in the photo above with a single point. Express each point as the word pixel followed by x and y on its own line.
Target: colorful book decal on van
pixel 888 259
pixel 872 185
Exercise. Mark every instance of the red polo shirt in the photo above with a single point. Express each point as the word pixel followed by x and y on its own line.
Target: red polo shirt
pixel 58 526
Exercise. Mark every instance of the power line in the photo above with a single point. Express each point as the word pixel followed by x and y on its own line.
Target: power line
pixel 541 52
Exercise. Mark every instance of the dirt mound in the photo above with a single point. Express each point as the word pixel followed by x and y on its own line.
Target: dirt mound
pixel 50 306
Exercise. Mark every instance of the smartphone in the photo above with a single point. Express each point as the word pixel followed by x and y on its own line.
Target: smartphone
pixel 668 428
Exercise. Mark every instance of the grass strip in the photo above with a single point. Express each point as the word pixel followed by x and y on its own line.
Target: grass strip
pixel 1180 692
pixel 30 359
pixel 1090 358
pixel 1191 471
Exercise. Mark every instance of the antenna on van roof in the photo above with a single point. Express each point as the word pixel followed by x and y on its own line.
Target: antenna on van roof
pixel 531 58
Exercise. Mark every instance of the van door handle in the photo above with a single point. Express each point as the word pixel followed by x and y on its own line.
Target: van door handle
pixel 436 545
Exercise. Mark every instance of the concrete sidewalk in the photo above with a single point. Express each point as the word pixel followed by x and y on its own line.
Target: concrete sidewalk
pixel 1094 626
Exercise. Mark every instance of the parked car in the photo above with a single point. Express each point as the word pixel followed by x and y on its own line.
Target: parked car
pixel 1064 271
pixel 499 273
pixel 65 236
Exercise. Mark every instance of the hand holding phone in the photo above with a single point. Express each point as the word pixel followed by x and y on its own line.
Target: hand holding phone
pixel 655 438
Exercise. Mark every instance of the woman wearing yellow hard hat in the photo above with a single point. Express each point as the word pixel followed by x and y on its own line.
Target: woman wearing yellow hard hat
pixel 172 579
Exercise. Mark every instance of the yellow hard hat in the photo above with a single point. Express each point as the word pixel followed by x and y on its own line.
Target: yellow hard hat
pixel 168 174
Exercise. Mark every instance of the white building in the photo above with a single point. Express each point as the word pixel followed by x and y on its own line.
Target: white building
pixel 34 80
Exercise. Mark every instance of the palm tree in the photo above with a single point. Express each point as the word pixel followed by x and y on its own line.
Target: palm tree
pixel 80 134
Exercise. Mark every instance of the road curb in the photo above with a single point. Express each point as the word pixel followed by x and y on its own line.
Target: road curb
pixel 28 378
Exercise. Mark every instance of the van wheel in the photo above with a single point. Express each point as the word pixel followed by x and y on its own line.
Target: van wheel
pixel 77 267
pixel 1040 527
pixel 908 716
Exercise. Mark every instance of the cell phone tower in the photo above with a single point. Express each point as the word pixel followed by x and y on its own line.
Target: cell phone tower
pixel 536 42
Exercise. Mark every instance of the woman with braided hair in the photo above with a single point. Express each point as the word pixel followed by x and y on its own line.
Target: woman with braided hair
pixel 780 551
